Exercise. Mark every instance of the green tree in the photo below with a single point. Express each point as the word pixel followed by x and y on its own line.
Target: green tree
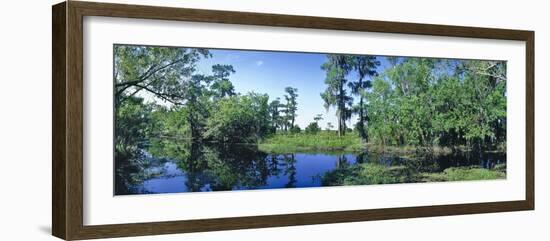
pixel 313 127
pixel 337 68
pixel 239 119
pixel 196 106
pixel 221 85
pixel 291 106
pixel 425 102
pixel 166 74
pixel 260 107
pixel 413 79
pixel 485 83
pixel 318 117
pixel 365 66
pixel 382 111
pixel 158 71
pixel 329 126
pixel 295 129
pixel 275 114
pixel 132 126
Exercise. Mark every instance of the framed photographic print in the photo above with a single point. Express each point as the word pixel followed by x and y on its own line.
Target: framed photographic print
pixel 171 120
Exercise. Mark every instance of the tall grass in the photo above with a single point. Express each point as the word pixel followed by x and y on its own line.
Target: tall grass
pixel 464 174
pixel 322 141
pixel 368 173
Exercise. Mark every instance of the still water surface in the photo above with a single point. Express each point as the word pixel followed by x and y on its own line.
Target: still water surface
pixel 200 169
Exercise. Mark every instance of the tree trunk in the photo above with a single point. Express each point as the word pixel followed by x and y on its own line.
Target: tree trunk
pixel 342 114
pixel 361 125
pixel 340 124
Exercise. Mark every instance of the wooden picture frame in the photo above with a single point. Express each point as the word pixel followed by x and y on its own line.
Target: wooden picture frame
pixel 67 123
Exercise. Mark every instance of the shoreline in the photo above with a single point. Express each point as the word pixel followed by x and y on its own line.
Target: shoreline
pixel 406 150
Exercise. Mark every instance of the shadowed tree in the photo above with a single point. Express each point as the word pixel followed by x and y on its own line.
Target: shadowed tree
pixel 337 68
pixel 365 66
pixel 290 170
pixel 275 114
pixel 239 119
pixel 318 117
pixel 291 105
pixel 221 85
pixel 313 127
pixel 329 126
pixel 160 71
pixel 196 105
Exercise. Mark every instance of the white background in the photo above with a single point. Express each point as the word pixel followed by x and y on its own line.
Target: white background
pixel 100 207
pixel 25 122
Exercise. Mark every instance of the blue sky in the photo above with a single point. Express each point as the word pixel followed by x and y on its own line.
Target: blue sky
pixel 270 72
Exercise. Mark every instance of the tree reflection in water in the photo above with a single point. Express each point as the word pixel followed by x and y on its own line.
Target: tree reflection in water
pixel 183 166
pixel 207 167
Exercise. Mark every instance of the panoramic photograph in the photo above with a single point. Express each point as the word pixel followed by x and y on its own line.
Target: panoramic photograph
pixel 192 119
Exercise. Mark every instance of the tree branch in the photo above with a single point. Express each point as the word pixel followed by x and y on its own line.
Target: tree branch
pixel 149 73
pixel 163 96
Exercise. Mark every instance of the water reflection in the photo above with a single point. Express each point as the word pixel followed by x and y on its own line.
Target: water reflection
pixel 194 167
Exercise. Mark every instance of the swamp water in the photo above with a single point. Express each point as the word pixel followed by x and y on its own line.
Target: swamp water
pixel 202 168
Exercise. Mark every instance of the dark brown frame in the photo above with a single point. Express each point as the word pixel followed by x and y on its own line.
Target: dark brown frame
pixel 67 121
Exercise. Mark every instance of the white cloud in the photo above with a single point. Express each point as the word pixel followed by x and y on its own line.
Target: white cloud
pixel 259 63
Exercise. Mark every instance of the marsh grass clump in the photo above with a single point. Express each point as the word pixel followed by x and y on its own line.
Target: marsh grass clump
pixel 322 141
pixel 464 174
pixel 367 174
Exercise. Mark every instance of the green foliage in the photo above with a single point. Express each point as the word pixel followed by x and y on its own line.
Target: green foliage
pixel 367 174
pixel 365 66
pixel 415 102
pixel 336 95
pixel 239 119
pixel 131 126
pixel 295 129
pixel 170 123
pixel 312 128
pixel 324 140
pixel 216 166
pixel 464 174
pixel 185 104
pixel 158 71
pixel 275 115
pixel 290 108
pixel 318 117
pixel 222 86
pixel 426 102
pixel 165 107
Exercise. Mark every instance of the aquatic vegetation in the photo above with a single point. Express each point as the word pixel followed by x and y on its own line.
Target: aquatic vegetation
pixel 367 174
pixel 464 174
